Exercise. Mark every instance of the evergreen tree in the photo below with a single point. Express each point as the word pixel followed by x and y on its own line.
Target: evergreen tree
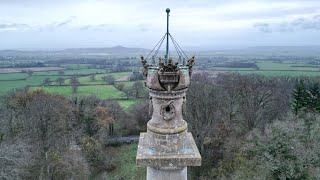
pixel 314 97
pixel 300 96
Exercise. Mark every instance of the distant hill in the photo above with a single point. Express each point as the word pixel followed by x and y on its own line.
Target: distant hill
pixel 303 51
pixel 121 51
pixel 113 51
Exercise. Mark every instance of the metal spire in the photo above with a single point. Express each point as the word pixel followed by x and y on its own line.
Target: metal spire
pixel 167 48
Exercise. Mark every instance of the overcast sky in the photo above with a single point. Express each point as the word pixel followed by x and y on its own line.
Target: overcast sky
pixel 208 24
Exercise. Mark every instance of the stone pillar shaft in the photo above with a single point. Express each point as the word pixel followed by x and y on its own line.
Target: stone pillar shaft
pixel 167 148
pixel 176 174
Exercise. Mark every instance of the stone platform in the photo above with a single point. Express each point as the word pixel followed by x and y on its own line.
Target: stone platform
pixel 152 156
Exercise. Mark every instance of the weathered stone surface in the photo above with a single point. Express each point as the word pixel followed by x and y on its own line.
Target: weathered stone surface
pixel 176 174
pixel 167 148
pixel 187 154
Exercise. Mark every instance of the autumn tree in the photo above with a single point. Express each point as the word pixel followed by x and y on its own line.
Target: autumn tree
pixel 93 113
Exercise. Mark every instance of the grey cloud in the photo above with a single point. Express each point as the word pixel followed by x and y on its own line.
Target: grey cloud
pixel 66 22
pixel 22 26
pixel 263 27
pixel 144 27
pixel 105 27
pixel 299 24
pixel 13 25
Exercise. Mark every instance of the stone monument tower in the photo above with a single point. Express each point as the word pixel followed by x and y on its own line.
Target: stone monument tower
pixel 167 148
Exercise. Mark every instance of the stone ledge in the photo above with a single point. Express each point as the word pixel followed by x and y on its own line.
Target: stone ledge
pixel 188 155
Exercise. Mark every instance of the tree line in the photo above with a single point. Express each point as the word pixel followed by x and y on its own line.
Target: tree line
pixel 245 126
pixel 49 136
pixel 249 126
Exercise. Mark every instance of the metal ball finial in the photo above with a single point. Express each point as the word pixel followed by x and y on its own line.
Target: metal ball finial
pixel 167 10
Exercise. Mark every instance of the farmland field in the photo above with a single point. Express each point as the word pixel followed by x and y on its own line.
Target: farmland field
pixel 72 72
pixel 101 91
pixel 13 76
pixel 76 66
pixel 14 70
pixel 276 69
pixel 97 87
pixel 282 73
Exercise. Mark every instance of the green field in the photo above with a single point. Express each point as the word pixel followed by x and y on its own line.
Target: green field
pixel 30 81
pixel 282 73
pixel 101 91
pixel 76 66
pixel 286 66
pixel 97 88
pixel 127 83
pixel 125 163
pixel 269 68
pixel 98 78
pixel 72 72
pixel 13 76
pixel 13 81
pixel 126 103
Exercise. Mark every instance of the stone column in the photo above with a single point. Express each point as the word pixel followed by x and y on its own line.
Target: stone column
pixel 166 149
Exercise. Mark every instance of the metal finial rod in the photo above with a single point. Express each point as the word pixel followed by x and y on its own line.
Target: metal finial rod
pixel 167 47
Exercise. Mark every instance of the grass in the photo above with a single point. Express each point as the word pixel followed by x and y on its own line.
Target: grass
pixel 76 66
pixel 285 66
pixel 230 69
pixel 282 73
pixel 125 162
pixel 6 86
pixel 126 103
pixel 13 76
pixel 120 74
pixel 101 91
pixel 71 72
pixel 269 68
pixel 127 83
pixel 98 78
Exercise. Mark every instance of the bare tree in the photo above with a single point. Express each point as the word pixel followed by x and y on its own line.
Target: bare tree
pixel 139 116
pixel 29 72
pixel 127 92
pixel 74 84
pixel 138 89
pixel 202 109
pixel 109 79
pixel 92 77
pixel 15 157
pixel 46 81
pixel 60 80
pixel 119 86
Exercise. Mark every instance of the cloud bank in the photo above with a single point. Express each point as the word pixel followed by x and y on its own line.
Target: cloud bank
pixel 207 23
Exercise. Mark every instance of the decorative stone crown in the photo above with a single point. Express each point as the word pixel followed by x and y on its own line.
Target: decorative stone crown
pixel 167 77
